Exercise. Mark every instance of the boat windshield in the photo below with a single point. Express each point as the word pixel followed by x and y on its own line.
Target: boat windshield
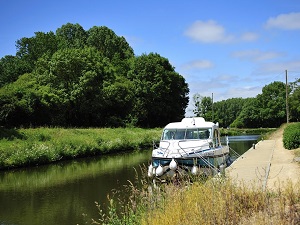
pixel 182 134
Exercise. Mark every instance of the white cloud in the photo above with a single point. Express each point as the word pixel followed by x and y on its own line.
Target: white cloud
pixel 198 64
pixel 249 36
pixel 208 32
pixel 256 55
pixel 212 32
pixel 280 67
pixel 289 21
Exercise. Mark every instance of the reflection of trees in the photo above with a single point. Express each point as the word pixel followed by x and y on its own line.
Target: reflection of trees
pixel 67 172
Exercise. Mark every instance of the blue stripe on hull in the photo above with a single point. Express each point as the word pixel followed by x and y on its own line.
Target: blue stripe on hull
pixel 216 161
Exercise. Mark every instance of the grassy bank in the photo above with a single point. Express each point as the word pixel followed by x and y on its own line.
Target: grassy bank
pixel 213 201
pixel 36 146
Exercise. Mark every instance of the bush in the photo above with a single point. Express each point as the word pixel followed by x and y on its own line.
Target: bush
pixel 291 136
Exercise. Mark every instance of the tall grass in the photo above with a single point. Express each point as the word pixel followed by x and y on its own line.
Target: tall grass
pixel 212 201
pixel 27 147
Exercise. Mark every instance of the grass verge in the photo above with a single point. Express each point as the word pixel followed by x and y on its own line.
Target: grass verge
pixel 36 146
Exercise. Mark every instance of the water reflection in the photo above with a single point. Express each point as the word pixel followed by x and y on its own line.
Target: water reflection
pixel 61 193
pixel 242 143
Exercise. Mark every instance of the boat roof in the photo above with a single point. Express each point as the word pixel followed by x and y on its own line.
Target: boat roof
pixel 194 122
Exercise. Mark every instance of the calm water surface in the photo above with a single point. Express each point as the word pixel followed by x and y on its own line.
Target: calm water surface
pixel 61 193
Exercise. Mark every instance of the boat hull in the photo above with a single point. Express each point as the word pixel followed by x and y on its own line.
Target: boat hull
pixel 209 165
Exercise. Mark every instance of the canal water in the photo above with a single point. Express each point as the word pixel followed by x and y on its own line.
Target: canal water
pixel 61 193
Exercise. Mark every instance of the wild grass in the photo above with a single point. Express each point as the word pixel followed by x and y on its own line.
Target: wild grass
pixel 36 146
pixel 211 201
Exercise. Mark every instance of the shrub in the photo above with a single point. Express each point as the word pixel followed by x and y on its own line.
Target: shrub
pixel 291 136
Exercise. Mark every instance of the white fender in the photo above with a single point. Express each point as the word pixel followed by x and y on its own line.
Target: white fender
pixel 173 165
pixel 159 171
pixel 194 170
pixel 150 170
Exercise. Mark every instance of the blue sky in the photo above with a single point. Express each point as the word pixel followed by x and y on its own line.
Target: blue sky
pixel 230 48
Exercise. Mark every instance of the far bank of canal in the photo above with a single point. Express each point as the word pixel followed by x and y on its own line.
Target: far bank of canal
pixel 62 192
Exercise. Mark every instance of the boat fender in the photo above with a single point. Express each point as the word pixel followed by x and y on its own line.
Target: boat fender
pixel 150 170
pixel 159 171
pixel 222 168
pixel 194 170
pixel 173 165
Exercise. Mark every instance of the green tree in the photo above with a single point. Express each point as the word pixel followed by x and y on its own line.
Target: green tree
pixel 250 116
pixel 273 104
pixel 31 49
pixel 203 106
pixel 160 92
pixel 71 36
pixel 108 43
pixel 111 46
pixel 11 67
pixel 226 111
pixel 266 110
pixel 77 77
pixel 294 101
pixel 25 102
pixel 118 100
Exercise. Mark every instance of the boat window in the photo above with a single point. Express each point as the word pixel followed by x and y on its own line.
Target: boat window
pixel 169 134
pixel 192 134
pixel 180 134
pixel 204 133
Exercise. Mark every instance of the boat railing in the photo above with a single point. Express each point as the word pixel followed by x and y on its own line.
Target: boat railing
pixel 206 161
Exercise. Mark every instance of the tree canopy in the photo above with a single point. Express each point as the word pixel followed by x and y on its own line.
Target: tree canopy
pixel 267 109
pixel 87 78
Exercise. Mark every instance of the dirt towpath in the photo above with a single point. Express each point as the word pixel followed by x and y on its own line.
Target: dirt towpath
pixel 283 166
pixel 268 165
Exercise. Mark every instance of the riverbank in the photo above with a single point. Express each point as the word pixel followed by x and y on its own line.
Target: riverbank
pixel 38 146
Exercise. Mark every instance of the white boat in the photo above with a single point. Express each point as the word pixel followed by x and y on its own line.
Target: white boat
pixel 192 145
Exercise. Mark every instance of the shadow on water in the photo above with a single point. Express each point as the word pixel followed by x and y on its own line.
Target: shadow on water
pixel 60 193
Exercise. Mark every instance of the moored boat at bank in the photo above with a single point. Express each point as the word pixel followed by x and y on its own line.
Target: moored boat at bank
pixel 190 146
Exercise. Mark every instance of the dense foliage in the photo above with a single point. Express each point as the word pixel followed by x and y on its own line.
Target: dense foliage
pixel 291 136
pixel 87 78
pixel 267 109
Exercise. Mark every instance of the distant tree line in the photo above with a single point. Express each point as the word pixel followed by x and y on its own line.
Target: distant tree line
pixel 267 109
pixel 79 78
